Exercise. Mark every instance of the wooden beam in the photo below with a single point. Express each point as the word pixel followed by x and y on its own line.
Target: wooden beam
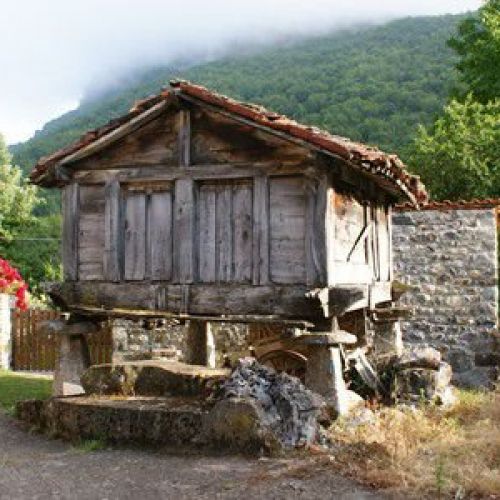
pixel 137 314
pixel 113 232
pixel 168 173
pixel 117 133
pixel 70 204
pixel 184 223
pixel 261 219
pixel 184 138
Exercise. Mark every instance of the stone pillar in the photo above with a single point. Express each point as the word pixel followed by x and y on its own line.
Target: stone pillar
pixel 211 352
pixel 119 336
pixel 388 339
pixel 324 372
pixel 324 376
pixel 73 356
pixel 5 332
pixel 200 344
pixel 71 363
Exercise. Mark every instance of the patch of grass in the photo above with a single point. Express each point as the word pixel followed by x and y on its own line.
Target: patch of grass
pixel 427 451
pixel 90 445
pixel 17 387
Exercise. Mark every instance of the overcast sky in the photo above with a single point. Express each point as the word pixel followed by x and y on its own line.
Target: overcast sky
pixel 53 50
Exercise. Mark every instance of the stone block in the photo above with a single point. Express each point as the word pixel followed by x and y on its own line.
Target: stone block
pixel 151 378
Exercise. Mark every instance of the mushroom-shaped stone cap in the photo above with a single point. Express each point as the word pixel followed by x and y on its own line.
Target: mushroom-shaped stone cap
pixel 332 338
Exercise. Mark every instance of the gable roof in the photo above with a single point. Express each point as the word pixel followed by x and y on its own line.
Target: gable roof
pixel 386 169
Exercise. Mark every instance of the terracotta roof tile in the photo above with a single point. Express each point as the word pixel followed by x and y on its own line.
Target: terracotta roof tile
pixel 360 156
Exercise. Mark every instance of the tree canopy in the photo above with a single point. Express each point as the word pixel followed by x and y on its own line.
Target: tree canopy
pixel 31 244
pixel 459 156
pixel 477 44
pixel 17 199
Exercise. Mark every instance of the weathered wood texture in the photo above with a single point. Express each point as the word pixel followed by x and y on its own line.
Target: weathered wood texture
pixel 197 212
pixel 154 143
pixel 282 300
pixel 113 230
pixel 70 204
pixel 220 139
pixel 91 233
pixel 287 230
pixel 225 232
pixel 184 225
pixel 35 348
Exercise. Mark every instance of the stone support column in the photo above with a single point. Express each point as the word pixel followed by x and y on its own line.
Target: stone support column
pixel 324 375
pixel 200 345
pixel 5 332
pixel 73 356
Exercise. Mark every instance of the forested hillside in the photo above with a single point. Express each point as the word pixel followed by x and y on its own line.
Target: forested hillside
pixel 374 84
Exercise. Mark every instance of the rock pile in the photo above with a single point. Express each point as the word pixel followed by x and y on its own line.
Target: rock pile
pixel 258 407
pixel 421 375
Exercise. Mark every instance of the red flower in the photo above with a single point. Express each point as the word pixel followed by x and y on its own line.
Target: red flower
pixel 12 283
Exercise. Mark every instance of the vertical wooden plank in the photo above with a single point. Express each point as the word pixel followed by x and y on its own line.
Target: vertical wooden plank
pixel 261 231
pixel 184 138
pixel 330 236
pixel 384 243
pixel 70 232
pixel 389 232
pixel 287 241
pixel 242 220
pixel 316 213
pixel 206 233
pixel 160 235
pixel 35 344
pixel 135 236
pixel 224 233
pixel 113 232
pixel 184 227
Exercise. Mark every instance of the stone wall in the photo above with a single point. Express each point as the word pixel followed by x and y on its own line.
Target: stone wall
pixel 140 340
pixel 449 258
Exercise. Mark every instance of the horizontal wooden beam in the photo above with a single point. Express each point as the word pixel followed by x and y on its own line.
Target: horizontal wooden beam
pixel 158 173
pixel 137 314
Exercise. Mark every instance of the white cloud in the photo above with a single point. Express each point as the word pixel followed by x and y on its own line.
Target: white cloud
pixel 53 50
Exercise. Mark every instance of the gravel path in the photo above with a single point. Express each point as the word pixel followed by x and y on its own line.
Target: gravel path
pixel 32 466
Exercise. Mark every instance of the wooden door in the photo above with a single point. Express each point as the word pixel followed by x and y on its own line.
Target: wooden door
pixel 225 232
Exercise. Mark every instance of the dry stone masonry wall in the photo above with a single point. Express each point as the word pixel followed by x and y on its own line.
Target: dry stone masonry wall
pixel 133 340
pixel 449 258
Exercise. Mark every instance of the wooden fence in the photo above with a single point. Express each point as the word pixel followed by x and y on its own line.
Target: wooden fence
pixel 33 350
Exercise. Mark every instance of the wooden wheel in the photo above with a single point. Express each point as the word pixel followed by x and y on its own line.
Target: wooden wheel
pixel 282 360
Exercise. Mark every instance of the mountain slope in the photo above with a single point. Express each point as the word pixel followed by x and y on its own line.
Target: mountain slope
pixel 371 84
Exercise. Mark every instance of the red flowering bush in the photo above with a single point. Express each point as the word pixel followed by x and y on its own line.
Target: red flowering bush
pixel 12 284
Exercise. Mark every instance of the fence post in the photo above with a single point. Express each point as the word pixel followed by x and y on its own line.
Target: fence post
pixel 5 332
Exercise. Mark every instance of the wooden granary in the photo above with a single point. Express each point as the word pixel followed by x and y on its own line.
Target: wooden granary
pixel 197 206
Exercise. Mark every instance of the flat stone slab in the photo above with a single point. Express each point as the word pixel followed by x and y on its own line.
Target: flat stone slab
pixel 151 378
pixel 141 420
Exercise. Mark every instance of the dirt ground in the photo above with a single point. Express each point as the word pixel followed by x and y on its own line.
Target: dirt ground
pixel 35 467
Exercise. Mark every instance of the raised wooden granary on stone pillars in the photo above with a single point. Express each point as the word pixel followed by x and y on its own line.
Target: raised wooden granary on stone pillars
pixel 196 206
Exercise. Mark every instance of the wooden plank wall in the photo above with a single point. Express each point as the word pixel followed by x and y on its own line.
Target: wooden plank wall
pixel 225 232
pixel 91 233
pixel 287 202
pixel 33 351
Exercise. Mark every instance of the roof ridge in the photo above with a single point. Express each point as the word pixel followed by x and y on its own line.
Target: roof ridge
pixel 369 159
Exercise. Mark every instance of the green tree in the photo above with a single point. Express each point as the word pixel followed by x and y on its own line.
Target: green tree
pixel 17 199
pixel 29 243
pixel 478 45
pixel 459 157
